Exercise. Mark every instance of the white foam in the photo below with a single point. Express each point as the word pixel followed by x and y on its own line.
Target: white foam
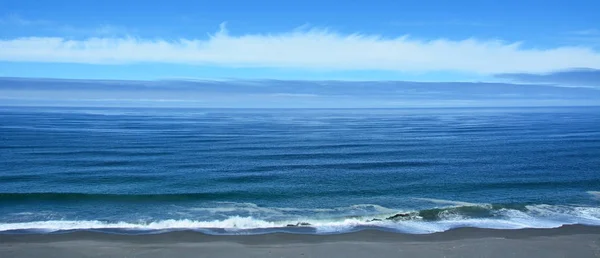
pixel 241 224
pixel 225 207
pixel 367 210
pixel 237 224
pixel 450 202
pixel 573 215
pixel 233 223
pixel 594 194
pixel 534 216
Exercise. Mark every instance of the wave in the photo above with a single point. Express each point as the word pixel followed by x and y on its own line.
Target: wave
pixel 66 196
pixel 442 201
pixel 493 216
pixel 594 194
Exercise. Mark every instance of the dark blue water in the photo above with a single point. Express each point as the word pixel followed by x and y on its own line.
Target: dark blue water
pixel 255 171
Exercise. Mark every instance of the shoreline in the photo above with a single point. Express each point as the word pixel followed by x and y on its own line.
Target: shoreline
pixel 565 241
pixel 367 235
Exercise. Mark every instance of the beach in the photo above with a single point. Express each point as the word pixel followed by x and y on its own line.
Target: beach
pixel 566 241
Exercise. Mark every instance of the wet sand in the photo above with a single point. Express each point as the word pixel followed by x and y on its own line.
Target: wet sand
pixel 567 241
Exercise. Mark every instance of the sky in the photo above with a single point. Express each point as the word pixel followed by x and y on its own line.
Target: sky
pixel 552 43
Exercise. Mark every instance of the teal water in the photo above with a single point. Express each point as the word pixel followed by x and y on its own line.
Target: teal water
pixel 230 171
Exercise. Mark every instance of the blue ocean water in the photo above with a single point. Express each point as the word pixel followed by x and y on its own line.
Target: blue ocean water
pixel 233 171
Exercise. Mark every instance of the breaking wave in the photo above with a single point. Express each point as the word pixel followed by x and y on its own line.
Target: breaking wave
pixel 493 216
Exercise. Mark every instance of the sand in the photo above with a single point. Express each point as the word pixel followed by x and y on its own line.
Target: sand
pixel 567 241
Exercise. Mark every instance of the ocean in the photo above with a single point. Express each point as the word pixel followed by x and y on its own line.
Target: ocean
pixel 306 171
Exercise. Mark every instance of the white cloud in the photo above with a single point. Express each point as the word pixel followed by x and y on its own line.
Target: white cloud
pixel 306 49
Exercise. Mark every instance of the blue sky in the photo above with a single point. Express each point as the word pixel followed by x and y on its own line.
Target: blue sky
pixel 314 40
pixel 300 53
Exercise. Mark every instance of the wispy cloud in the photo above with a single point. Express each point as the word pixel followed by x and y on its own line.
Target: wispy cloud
pixel 66 30
pixel 568 78
pixel 588 32
pixel 276 93
pixel 586 37
pixel 14 19
pixel 105 30
pixel 294 95
pixel 457 23
pixel 111 30
pixel 306 49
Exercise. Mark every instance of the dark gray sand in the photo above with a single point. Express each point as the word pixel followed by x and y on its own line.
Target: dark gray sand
pixel 567 241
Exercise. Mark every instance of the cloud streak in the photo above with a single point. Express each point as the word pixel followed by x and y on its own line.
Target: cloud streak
pixel 13 19
pixel 574 78
pixel 287 94
pixel 313 49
